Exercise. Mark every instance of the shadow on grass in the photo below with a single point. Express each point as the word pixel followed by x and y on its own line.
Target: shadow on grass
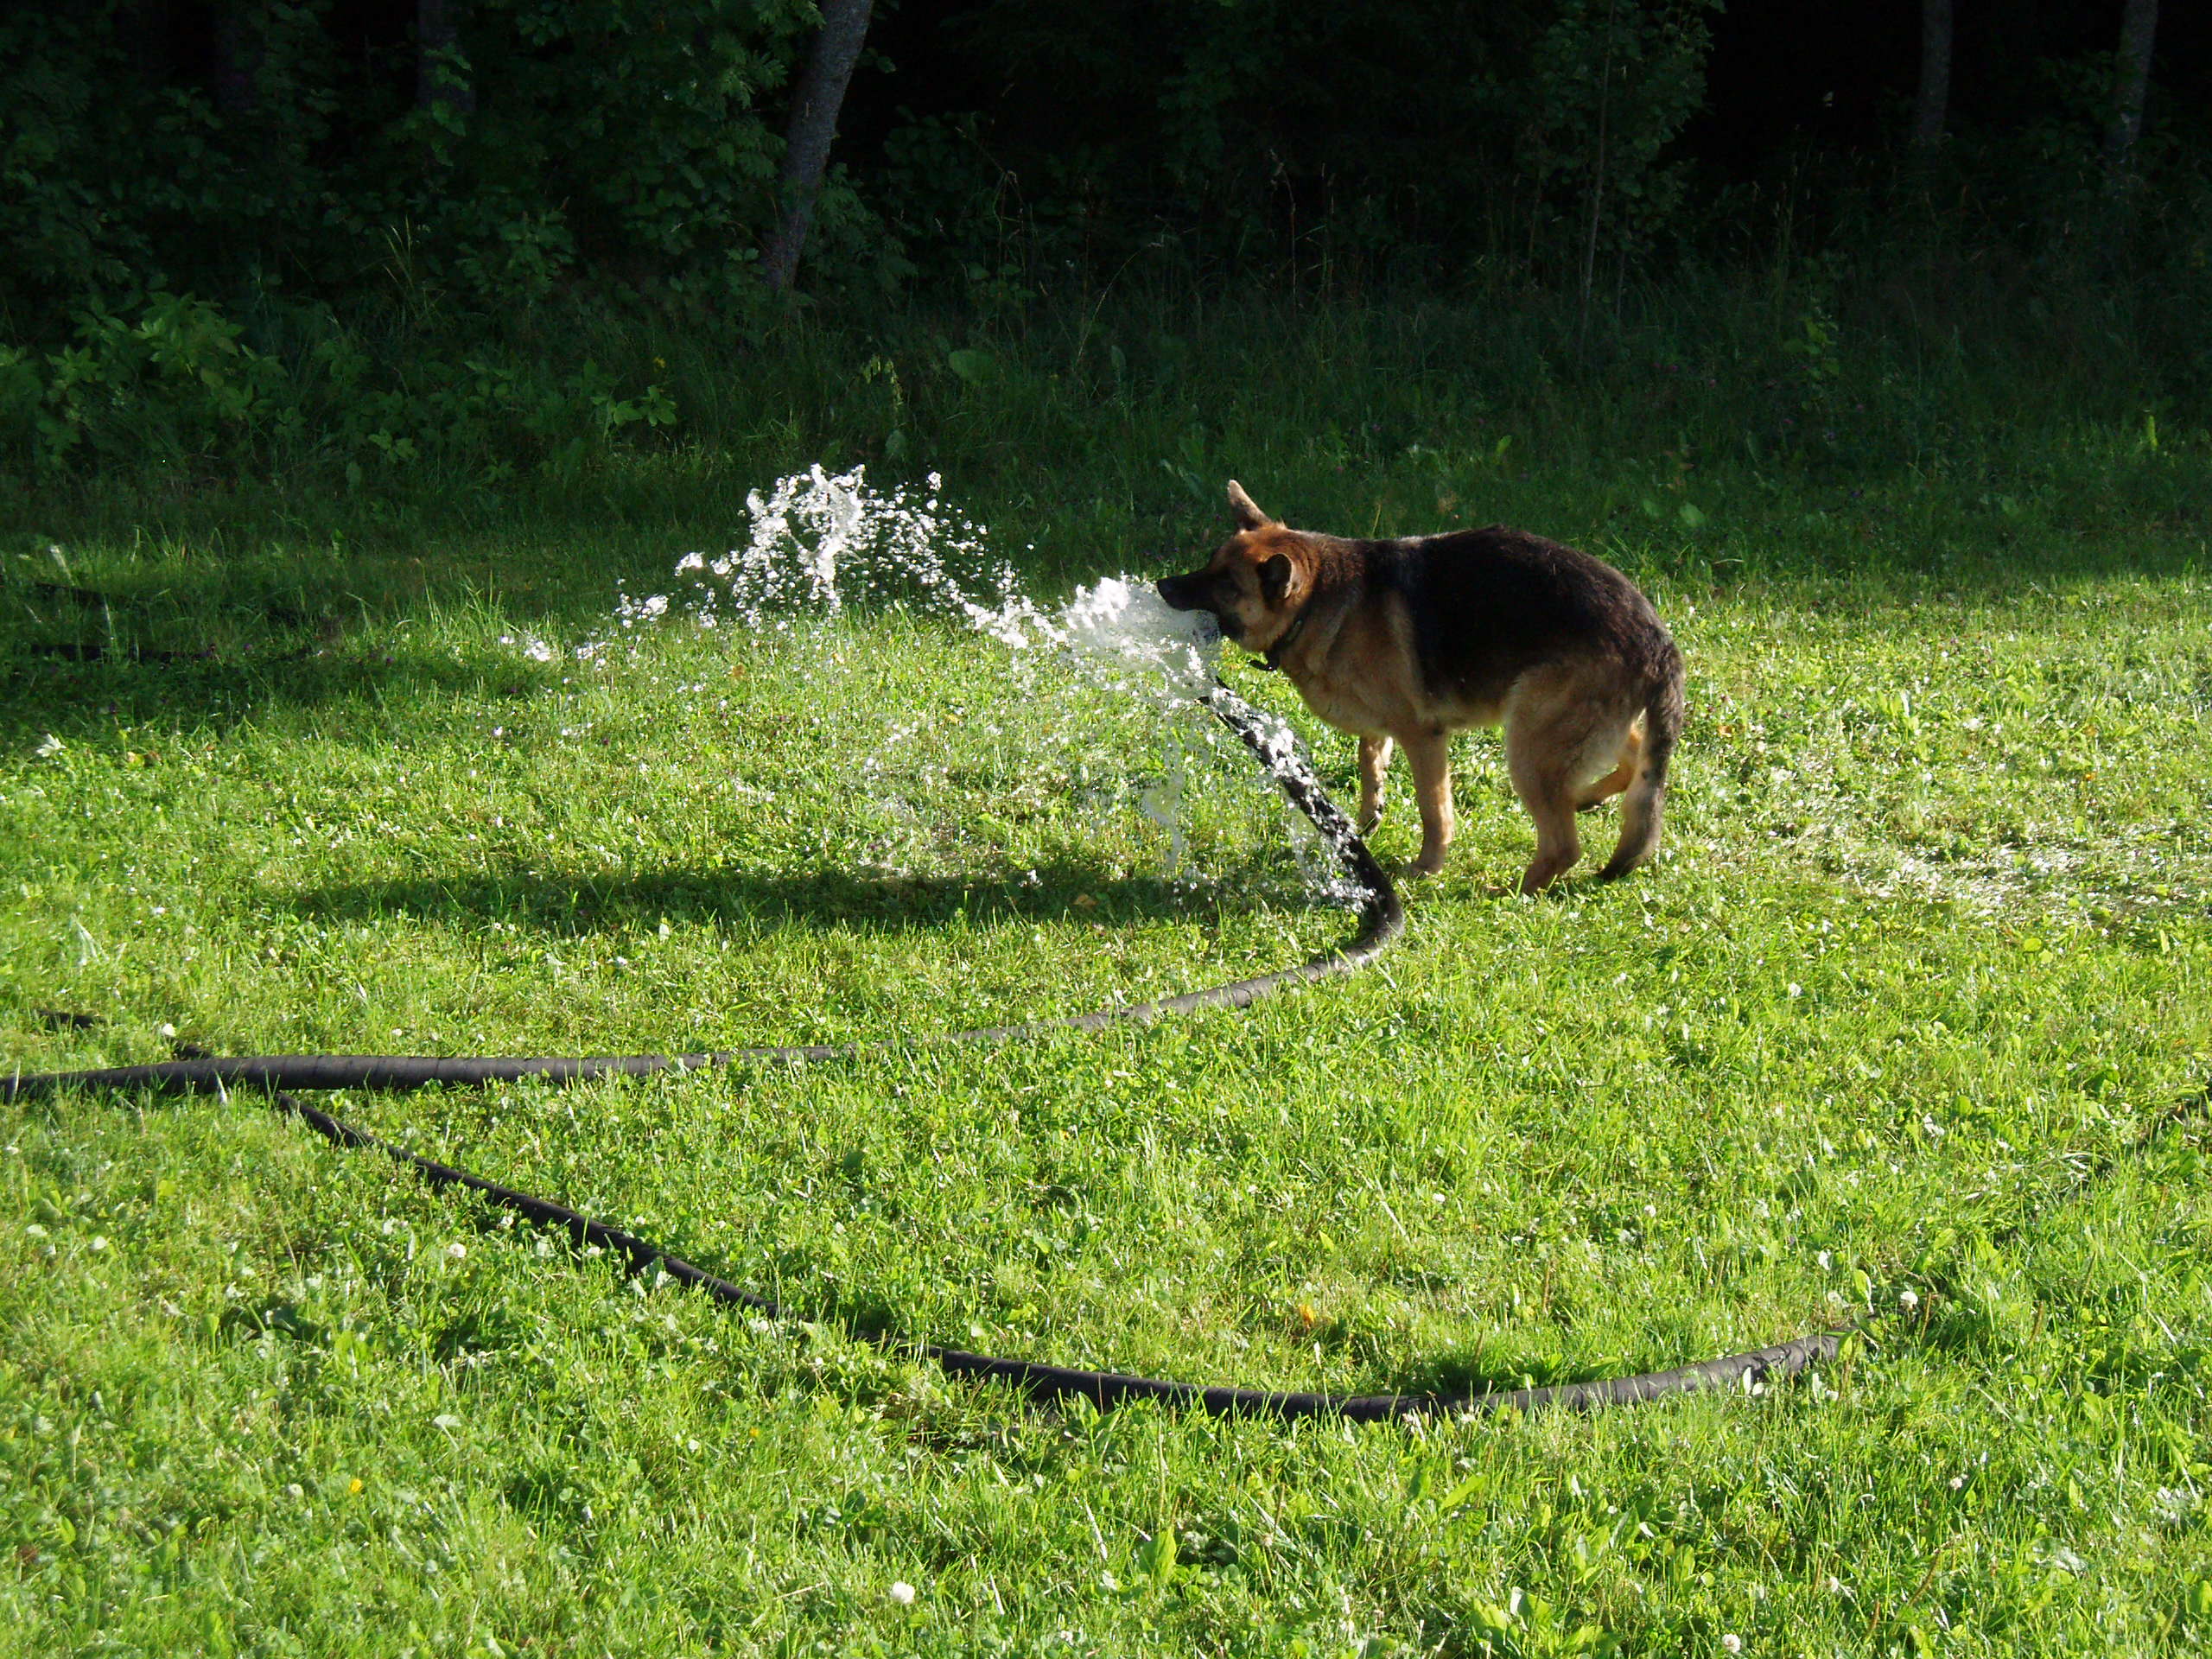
pixel 75 692
pixel 574 902
pixel 181 638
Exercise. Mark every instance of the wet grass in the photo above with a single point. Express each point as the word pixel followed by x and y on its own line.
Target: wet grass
pixel 1898 1025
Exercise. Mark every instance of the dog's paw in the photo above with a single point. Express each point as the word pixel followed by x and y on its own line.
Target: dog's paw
pixel 1542 878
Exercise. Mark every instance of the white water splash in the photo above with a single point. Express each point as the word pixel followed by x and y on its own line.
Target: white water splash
pixel 822 540
pixel 819 543
pixel 1161 801
pixel 1125 630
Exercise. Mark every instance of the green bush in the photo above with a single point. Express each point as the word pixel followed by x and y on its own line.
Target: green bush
pixel 176 388
pixel 174 385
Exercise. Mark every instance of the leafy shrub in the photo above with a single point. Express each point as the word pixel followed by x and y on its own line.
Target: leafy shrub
pixel 176 387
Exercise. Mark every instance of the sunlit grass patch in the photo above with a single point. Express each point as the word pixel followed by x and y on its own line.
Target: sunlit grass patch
pixel 1925 962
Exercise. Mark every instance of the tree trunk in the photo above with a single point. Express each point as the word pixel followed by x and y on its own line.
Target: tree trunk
pixel 439 80
pixel 1934 103
pixel 820 95
pixel 2131 76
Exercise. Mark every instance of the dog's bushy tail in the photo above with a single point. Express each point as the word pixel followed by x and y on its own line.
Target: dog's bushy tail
pixel 1645 801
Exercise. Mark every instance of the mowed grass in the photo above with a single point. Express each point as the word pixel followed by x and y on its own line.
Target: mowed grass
pixel 1898 1026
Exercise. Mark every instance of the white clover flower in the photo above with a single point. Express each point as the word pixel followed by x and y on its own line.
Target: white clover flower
pixel 1908 1299
pixel 455 1250
pixel 1731 1643
pixel 902 1593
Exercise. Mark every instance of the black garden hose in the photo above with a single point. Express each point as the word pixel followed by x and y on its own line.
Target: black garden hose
pixel 1106 1388
pixel 1381 919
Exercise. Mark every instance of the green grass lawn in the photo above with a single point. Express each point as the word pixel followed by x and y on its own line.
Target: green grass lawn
pixel 1896 1022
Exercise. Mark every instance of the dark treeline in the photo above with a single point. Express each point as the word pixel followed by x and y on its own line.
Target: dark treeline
pixel 247 198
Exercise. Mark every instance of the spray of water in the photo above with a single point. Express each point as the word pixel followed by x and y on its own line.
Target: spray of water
pixel 819 543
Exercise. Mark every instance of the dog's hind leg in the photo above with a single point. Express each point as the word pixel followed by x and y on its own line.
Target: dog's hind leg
pixel 1645 802
pixel 1563 725
pixel 1547 790
pixel 1374 761
pixel 1619 779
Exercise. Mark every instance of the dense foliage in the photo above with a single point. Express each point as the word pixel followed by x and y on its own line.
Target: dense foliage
pixel 349 234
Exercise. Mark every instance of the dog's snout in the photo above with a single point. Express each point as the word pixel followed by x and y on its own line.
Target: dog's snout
pixel 1196 592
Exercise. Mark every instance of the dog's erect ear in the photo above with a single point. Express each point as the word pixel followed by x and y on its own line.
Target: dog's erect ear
pixel 1274 578
pixel 1240 507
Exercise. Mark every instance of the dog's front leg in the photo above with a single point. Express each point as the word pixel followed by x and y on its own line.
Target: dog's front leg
pixel 1374 762
pixel 1430 756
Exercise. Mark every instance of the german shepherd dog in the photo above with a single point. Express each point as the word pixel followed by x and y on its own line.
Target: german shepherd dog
pixel 1410 640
